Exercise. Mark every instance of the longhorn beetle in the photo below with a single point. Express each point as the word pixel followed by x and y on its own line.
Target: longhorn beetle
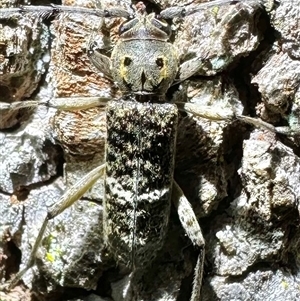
pixel 141 140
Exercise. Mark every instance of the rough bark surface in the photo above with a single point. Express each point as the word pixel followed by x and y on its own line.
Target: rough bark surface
pixel 243 183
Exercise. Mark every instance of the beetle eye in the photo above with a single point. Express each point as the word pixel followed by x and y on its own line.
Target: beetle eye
pixel 127 61
pixel 159 62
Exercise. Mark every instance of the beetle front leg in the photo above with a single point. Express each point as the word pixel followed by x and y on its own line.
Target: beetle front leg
pixel 197 65
pixel 100 61
pixel 191 67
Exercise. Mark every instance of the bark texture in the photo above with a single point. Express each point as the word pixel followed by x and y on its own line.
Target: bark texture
pixel 242 182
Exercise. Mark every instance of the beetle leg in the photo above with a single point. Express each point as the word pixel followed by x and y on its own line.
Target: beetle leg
pixel 192 228
pixel 100 61
pixel 68 199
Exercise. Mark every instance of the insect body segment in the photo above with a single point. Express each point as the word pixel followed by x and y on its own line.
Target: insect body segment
pixel 151 72
pixel 143 61
pixel 140 154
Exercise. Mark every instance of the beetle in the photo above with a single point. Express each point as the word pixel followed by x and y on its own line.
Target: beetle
pixel 136 76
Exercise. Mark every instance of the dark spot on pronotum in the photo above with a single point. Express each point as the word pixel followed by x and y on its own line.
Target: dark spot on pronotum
pixel 159 62
pixel 127 61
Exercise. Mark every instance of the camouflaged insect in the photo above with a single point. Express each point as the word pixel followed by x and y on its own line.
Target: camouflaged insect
pixel 140 149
